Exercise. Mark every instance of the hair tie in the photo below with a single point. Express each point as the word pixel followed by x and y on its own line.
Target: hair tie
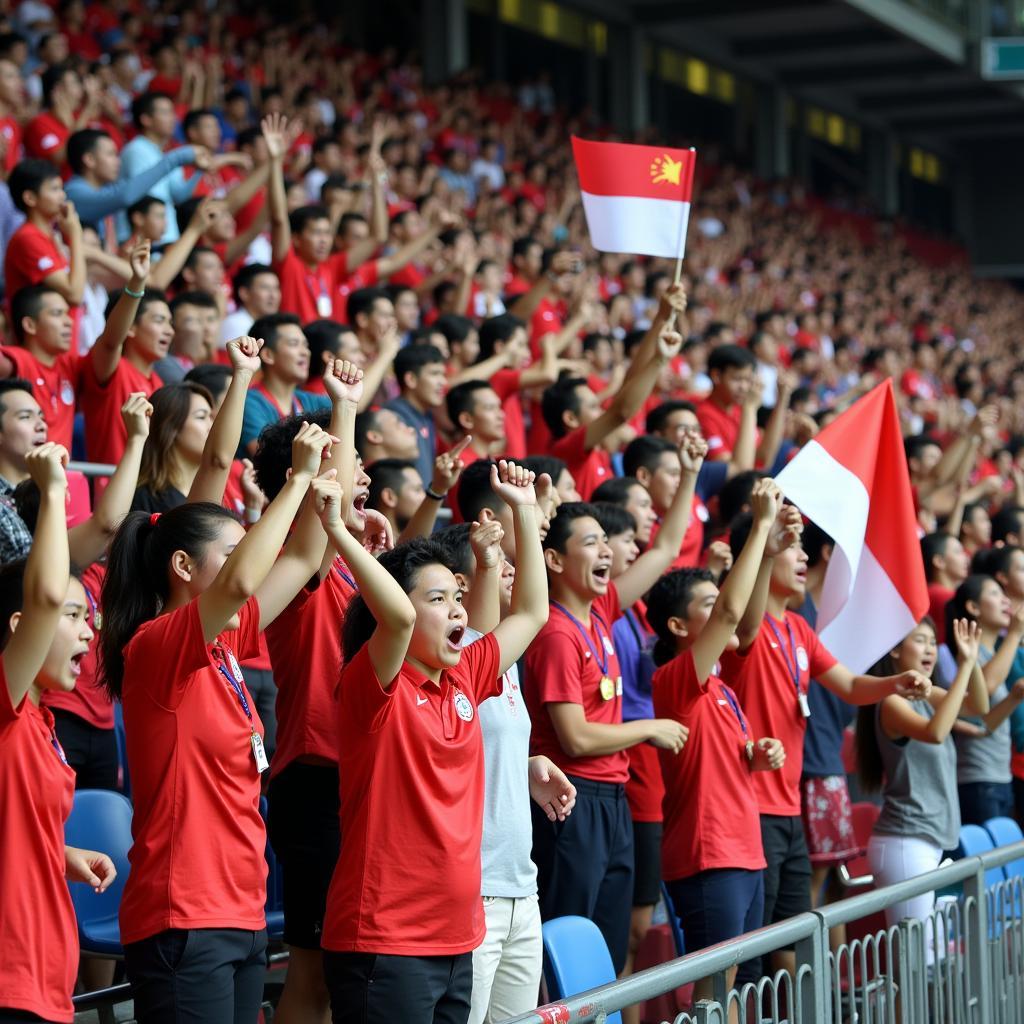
pixel 153 518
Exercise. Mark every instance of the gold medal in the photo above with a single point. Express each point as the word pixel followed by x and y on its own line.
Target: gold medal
pixel 750 751
pixel 607 687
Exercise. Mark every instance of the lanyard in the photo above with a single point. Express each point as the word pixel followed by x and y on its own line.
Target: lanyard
pixel 602 664
pixel 317 286
pixel 97 618
pixel 735 708
pixel 793 667
pixel 345 576
pixel 235 683
pixel 296 405
pixel 58 747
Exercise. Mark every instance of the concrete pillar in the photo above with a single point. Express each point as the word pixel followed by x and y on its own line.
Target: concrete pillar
pixel 627 84
pixel 445 39
pixel 883 172
pixel 771 133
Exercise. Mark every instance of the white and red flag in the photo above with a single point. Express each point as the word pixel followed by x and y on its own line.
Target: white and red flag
pixel 852 480
pixel 636 198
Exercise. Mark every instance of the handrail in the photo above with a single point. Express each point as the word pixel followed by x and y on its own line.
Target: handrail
pixel 92 468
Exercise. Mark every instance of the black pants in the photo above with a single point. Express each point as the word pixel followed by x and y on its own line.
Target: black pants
pixel 199 975
pixel 20 1017
pixel 371 988
pixel 263 690
pixel 585 863
pixel 90 751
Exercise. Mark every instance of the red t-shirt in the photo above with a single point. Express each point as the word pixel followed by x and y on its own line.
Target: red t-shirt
pixel 644 788
pixel 10 129
pixel 691 551
pixel 88 699
pixel 305 653
pixel 310 293
pixel 54 388
pixel 105 432
pixel 412 275
pixel 548 318
pixel 412 785
pixel 38 934
pixel 44 135
pixel 720 428
pixel 711 812
pixel 366 275
pixel 590 468
pixel 763 681
pixel 506 385
pixel 938 597
pixel 561 668
pixel 198 859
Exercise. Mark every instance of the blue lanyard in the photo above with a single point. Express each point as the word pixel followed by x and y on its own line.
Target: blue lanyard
pixel 345 576
pixel 602 663
pixel 233 682
pixel 58 747
pixel 793 667
pixel 735 708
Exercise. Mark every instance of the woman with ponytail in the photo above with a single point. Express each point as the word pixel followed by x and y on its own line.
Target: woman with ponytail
pixel 185 597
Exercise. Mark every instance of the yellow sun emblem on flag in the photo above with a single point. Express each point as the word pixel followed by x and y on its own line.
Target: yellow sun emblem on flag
pixel 666 170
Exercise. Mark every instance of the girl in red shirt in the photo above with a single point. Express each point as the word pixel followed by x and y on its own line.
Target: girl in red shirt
pixel 399 932
pixel 185 598
pixel 44 635
pixel 712 856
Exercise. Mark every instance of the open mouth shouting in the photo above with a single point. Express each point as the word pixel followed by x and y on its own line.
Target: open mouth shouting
pixel 454 638
pixel 602 574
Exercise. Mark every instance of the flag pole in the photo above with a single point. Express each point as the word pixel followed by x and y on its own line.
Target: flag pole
pixel 682 241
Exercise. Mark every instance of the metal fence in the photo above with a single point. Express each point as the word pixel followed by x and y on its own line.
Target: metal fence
pixel 963 965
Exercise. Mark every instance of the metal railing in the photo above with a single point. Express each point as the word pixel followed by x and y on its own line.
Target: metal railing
pixel 963 965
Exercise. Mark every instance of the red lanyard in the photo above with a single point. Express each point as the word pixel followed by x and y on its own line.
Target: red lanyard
pixel 296 406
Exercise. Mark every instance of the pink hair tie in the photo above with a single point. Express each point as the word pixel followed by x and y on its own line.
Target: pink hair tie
pixel 153 518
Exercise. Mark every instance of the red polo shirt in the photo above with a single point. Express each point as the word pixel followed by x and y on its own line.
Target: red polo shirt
pixel 10 129
pixel 310 293
pixel 198 859
pixel 588 467
pixel 561 669
pixel 711 813
pixel 38 935
pixel 506 385
pixel 305 653
pixel 763 681
pixel 53 387
pixel 719 427
pixel 105 432
pixel 407 881
pixel 44 135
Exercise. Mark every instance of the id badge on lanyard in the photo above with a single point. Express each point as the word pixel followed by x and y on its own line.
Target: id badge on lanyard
pixel 235 679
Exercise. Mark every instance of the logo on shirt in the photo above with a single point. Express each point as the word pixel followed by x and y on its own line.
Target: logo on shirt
pixel 801 659
pixel 420 701
pixel 463 707
pixel 45 262
pixel 67 392
pixel 49 141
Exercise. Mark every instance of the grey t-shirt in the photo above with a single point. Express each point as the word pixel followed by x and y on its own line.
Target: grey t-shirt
pixel 985 758
pixel 506 867
pixel 920 790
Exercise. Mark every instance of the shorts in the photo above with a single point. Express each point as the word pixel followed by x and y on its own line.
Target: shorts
pixel 717 905
pixel 305 832
pixel 787 878
pixel 828 819
pixel 646 863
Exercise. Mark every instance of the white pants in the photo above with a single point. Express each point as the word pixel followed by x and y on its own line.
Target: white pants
pixel 507 967
pixel 895 859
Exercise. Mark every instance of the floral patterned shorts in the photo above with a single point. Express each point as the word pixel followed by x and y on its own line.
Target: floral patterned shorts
pixel 828 820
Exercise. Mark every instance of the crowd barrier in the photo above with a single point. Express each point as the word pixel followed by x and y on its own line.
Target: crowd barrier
pixel 888 975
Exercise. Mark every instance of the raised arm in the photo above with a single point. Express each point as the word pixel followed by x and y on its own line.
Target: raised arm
pixel 164 274
pixel 388 345
pixel 871 689
pixel 47 573
pixel 448 468
pixel 529 609
pixel 483 601
pixel 222 441
pixel 70 283
pixel 88 541
pixel 248 565
pixel 997 668
pixel 275 134
pixel 106 352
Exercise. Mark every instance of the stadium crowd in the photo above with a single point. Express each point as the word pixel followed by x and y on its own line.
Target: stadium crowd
pixel 453 537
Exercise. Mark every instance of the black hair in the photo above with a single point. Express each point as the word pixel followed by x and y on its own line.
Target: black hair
pixel 81 144
pixel 245 277
pixel 149 297
pixel 956 607
pixel 933 545
pixel 13 384
pixel 645 452
pixel 28 302
pixel 386 474
pixel 454 327
pixel 615 490
pixel 969 509
pixel 142 106
pixel 669 598
pixel 136 585
pixel 365 422
pixel 144 205
pixel 561 523
pixel 323 336
pixel 273 457
pixel 304 215
pixel 614 519
pixel 362 300
pixel 814 541
pixel 914 445
pixel 30 176
pixel 657 418
pixel 735 494
pixel 414 359
pixel 560 398
pixel 550 464
pixel 454 540
pixel 52 77
pixel 462 398
pixel 193 117
pixel 731 357
pixel 475 491
pixel 215 377
pixel 204 300
pixel 404 564
pixel 495 329
pixel 267 327
pixel 1009 519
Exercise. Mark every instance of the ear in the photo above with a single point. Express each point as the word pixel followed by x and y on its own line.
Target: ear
pixel 570 420
pixel 463 581
pixel 553 561
pixel 388 498
pixel 486 515
pixel 677 626
pixel 643 476
pixel 826 553
pixel 181 565
pixel 466 422
pixel 374 437
pixel 28 325
pixel 267 355
pixel 328 357
pixel 409 380
pixel 973 608
pixel 12 623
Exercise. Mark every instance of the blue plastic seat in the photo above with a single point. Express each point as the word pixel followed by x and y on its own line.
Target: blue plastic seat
pixel 1006 832
pixel 576 959
pixel 974 841
pixel 673 922
pixel 100 820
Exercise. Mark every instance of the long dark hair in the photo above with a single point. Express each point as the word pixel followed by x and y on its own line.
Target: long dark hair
pixel 404 563
pixel 171 407
pixel 956 607
pixel 870 769
pixel 137 585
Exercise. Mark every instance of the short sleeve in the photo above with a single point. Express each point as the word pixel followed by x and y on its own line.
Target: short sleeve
pixel 675 684
pixel 554 667
pixel 31 257
pixel 506 382
pixel 362 701
pixel 245 641
pixel 8 712
pixel 711 479
pixel 478 669
pixel 733 663
pixel 572 449
pixel 255 417
pixel 338 266
pixel 820 657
